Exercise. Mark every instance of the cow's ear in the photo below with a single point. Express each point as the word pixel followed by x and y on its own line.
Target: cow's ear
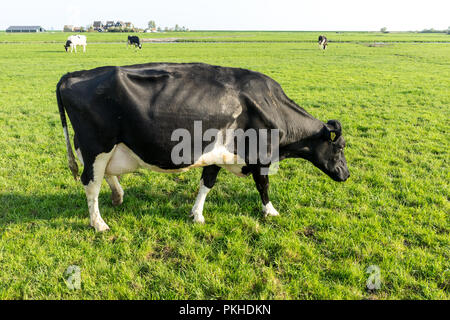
pixel 333 130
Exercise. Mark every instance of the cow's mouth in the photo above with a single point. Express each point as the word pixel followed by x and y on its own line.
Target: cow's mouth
pixel 341 174
pixel 338 174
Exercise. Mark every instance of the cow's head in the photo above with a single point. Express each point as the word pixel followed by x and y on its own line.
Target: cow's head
pixel 67 45
pixel 327 151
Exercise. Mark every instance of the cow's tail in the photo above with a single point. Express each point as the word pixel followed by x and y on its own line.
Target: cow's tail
pixel 71 157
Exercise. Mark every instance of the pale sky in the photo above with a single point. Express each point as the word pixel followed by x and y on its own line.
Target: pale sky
pixel 313 15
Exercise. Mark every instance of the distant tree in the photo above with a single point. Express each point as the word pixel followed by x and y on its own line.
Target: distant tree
pixel 384 30
pixel 151 24
pixel 432 30
pixel 177 27
pixel 159 29
pixel 448 30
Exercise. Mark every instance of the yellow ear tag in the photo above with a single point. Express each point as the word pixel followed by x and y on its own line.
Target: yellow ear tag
pixel 332 136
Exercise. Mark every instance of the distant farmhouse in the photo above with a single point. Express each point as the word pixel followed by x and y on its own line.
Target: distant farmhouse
pixel 98 26
pixel 112 26
pixel 70 28
pixel 25 29
pixel 109 26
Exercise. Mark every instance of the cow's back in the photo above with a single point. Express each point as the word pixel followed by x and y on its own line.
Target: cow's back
pixel 142 105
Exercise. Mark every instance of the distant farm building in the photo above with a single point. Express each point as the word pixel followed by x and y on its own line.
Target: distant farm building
pixel 68 28
pixel 112 26
pixel 97 25
pixel 71 28
pixel 25 29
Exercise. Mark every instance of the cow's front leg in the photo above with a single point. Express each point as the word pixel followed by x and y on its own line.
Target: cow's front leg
pixel 262 184
pixel 209 176
pixel 92 178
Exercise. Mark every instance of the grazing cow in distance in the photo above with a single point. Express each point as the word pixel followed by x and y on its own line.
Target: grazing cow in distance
pixel 131 117
pixel 134 40
pixel 74 41
pixel 323 42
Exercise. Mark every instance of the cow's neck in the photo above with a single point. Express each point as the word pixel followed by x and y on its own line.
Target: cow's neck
pixel 300 149
pixel 299 125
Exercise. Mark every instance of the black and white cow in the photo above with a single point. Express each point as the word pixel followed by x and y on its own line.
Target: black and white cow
pixel 74 41
pixel 323 42
pixel 134 40
pixel 125 118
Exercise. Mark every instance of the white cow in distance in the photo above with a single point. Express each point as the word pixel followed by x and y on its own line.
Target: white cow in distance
pixel 74 41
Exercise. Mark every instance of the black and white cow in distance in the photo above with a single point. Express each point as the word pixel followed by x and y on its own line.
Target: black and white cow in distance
pixel 323 42
pixel 74 41
pixel 124 119
pixel 134 40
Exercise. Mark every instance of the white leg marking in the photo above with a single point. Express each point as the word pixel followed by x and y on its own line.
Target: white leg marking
pixel 197 210
pixel 269 210
pixel 93 189
pixel 116 188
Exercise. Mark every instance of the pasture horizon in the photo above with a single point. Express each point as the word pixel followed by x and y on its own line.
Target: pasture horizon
pixel 231 36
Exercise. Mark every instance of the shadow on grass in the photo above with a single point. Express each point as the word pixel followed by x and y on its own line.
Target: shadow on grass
pixel 22 208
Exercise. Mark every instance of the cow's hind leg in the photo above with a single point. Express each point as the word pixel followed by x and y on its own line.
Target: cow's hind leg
pixel 116 188
pixel 262 184
pixel 92 178
pixel 208 180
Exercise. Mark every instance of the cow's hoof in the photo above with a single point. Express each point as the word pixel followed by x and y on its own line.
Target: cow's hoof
pixel 117 199
pixel 198 218
pixel 269 210
pixel 100 226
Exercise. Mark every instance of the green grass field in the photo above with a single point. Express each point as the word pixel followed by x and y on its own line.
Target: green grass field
pixel 394 104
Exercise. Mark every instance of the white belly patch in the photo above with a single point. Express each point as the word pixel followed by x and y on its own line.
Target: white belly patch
pixel 124 160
